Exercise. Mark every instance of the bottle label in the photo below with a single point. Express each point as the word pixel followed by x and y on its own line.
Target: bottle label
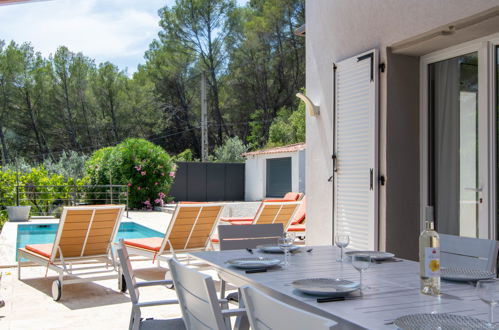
pixel 432 262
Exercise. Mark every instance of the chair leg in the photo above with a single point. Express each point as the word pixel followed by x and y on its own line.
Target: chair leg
pixel 222 289
pixel 19 269
pixel 135 319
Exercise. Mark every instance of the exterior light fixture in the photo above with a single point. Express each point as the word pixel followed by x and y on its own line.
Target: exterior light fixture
pixel 312 109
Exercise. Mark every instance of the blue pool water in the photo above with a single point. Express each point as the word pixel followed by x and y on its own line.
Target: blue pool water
pixel 41 234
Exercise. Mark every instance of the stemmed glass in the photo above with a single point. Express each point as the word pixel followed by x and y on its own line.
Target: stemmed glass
pixel 488 292
pixel 361 262
pixel 341 241
pixel 285 243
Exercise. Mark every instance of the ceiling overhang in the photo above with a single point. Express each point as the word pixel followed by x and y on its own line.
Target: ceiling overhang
pixel 470 28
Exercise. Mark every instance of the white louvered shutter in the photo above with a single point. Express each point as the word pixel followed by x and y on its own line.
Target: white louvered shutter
pixel 356 138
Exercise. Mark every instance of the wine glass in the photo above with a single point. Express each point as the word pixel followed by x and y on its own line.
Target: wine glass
pixel 488 292
pixel 361 262
pixel 285 243
pixel 341 241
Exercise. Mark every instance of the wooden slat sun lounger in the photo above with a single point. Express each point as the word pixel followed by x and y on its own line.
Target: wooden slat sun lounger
pixel 85 233
pixel 189 230
pixel 270 211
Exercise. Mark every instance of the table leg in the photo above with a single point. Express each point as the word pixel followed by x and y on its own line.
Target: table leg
pixel 242 322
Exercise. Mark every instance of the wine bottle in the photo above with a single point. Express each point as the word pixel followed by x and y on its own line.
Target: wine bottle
pixel 429 256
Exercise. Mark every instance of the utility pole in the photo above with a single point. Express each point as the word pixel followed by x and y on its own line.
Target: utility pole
pixel 204 120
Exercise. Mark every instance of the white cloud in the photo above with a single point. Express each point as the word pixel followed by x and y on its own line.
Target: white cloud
pixel 106 30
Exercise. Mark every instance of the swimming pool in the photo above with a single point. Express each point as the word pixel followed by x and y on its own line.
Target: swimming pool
pixel 45 233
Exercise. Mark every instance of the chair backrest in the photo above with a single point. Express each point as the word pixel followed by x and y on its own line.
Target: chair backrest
pixel 191 226
pixel 86 231
pixel 127 270
pixel 265 312
pixel 466 252
pixel 300 214
pixel 276 212
pixel 293 196
pixel 197 297
pixel 248 237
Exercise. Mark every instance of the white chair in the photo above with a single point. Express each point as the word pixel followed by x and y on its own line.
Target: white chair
pixel 265 312
pixel 246 237
pixel 133 287
pixel 198 299
pixel 466 252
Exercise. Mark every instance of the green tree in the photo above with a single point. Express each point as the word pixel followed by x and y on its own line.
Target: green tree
pixel 200 26
pixel 230 152
pixel 288 127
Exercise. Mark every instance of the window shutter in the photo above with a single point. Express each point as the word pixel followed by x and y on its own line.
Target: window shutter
pixel 356 138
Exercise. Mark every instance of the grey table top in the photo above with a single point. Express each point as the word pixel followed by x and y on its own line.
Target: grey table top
pixel 393 287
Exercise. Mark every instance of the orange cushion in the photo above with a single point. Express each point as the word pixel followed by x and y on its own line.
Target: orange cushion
pixel 300 213
pixel 297 228
pixel 148 243
pixel 41 249
pixel 292 196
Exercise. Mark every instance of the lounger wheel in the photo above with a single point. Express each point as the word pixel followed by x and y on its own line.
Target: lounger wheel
pixel 122 283
pixel 56 290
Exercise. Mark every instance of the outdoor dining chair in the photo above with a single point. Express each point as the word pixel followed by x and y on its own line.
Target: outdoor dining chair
pixel 467 252
pixel 190 229
pixel 136 322
pixel 85 234
pixel 265 312
pixel 246 237
pixel 198 300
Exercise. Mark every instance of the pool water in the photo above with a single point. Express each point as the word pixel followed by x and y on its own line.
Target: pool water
pixel 45 233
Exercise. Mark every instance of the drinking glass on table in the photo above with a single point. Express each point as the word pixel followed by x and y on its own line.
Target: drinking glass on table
pixel 341 241
pixel 488 292
pixel 285 243
pixel 361 262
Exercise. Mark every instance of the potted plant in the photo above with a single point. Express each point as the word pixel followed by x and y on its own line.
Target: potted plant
pixel 18 213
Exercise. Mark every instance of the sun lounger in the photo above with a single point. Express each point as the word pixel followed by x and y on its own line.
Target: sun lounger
pixel 189 230
pixel 298 224
pixel 85 234
pixel 270 211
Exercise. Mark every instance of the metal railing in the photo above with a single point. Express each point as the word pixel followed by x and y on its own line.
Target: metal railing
pixel 48 200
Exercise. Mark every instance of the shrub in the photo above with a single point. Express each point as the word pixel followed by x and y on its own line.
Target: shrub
pixel 184 156
pixel 70 165
pixel 145 167
pixel 3 218
pixel 231 151
pixel 37 188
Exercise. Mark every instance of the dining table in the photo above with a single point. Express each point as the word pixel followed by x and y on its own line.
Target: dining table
pixel 391 289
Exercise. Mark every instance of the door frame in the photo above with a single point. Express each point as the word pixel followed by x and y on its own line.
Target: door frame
pixel 487 117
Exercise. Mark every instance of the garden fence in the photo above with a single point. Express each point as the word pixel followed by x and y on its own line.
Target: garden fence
pixel 49 200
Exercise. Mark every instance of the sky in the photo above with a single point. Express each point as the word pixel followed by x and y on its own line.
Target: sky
pixel 118 31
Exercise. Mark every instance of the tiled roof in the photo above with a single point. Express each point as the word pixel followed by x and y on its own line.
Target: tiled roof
pixel 278 150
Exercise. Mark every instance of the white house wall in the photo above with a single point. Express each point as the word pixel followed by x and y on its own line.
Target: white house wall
pixel 335 30
pixel 256 174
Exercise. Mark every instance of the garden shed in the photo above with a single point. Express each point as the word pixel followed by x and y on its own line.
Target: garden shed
pixel 272 172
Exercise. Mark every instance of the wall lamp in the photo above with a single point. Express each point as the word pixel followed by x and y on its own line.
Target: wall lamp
pixel 312 109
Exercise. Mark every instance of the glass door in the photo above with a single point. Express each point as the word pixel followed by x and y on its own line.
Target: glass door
pixel 454 186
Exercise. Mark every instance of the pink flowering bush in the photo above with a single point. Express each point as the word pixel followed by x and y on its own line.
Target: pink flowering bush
pixel 139 164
